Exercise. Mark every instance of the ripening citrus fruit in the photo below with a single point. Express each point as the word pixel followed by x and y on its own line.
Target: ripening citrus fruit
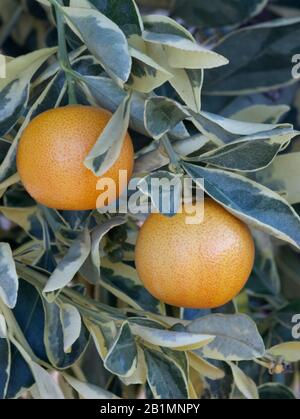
pixel 51 154
pixel 200 265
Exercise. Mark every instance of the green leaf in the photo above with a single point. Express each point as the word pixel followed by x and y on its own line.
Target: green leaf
pixel 162 114
pixel 181 49
pixel 107 148
pixel 139 376
pixel 47 386
pixel 123 282
pixel 103 335
pixel 87 390
pixel 91 267
pixel 92 25
pixel 216 13
pixel 253 203
pixel 122 356
pixel 123 12
pixel 9 283
pixel 70 264
pixel 244 383
pixel 290 351
pixel 54 339
pixel 180 341
pixel 243 155
pixel 71 325
pixel 252 53
pixel 275 391
pixel 236 337
pixel 165 378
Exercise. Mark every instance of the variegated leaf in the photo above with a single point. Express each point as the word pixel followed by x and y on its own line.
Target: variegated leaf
pixel 107 148
pixel 180 341
pixel 70 264
pixel 92 25
pixel 121 358
pixel 162 114
pixel 91 267
pixel 244 383
pixel 87 390
pixel 165 378
pixel 250 201
pixel 9 283
pixel 71 325
pixel 236 337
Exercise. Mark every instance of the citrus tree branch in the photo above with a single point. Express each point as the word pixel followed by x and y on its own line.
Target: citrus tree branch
pixel 63 56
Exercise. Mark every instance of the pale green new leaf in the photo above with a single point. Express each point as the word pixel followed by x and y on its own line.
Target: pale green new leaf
pixel 122 356
pixel 236 337
pixel 9 282
pixel 290 351
pixel 250 201
pixel 71 325
pixel 112 52
pixel 107 148
pixel 244 383
pixel 70 264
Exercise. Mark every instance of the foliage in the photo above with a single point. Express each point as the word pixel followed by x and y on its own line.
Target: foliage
pixel 68 285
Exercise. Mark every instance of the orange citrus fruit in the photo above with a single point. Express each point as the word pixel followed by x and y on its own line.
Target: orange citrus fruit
pixel 201 265
pixel 51 153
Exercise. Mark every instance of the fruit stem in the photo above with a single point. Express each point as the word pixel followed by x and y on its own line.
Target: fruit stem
pixel 63 56
pixel 174 160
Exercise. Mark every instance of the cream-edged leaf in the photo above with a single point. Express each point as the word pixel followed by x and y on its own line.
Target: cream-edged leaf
pixel 9 282
pixel 70 264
